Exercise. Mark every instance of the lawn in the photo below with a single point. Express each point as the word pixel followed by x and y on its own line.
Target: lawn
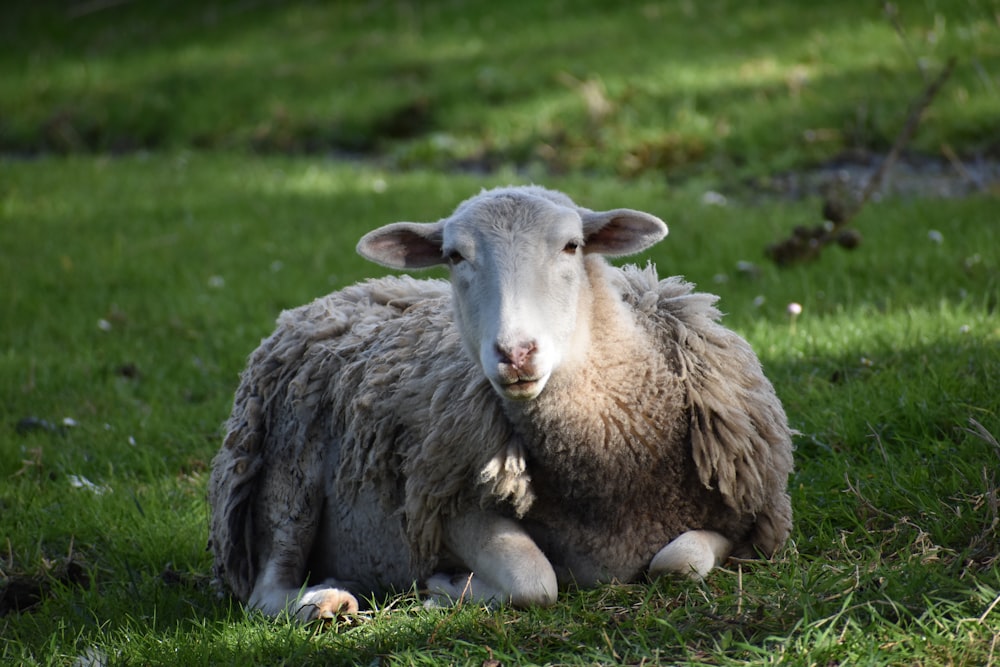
pixel 173 175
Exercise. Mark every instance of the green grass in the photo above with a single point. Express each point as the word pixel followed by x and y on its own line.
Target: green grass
pixel 671 87
pixel 895 350
pixel 134 283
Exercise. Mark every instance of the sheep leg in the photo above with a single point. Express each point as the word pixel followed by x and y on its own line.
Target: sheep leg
pixel 506 565
pixel 693 553
pixel 279 589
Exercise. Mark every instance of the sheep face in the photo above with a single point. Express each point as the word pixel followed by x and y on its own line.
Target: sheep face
pixel 517 273
pixel 516 256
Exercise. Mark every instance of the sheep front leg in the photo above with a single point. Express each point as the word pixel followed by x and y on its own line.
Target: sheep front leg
pixel 506 565
pixel 693 554
pixel 326 600
pixel 280 585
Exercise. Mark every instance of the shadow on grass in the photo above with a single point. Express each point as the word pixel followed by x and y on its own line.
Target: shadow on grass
pixel 892 495
pixel 299 78
pixel 888 518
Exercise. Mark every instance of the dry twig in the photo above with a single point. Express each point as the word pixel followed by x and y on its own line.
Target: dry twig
pixel 806 243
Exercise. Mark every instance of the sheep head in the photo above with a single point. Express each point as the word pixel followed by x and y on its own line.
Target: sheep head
pixel 516 258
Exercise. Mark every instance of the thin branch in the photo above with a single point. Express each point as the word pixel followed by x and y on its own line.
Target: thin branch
pixel 989 609
pixel 906 134
pixel 806 243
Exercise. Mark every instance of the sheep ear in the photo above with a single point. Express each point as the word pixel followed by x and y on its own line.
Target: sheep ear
pixel 621 231
pixel 404 245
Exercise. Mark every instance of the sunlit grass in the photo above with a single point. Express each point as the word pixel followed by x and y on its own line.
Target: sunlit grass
pixel 652 87
pixel 136 278
pixel 139 285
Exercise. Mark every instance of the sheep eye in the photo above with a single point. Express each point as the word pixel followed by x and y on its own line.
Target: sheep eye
pixel 571 248
pixel 455 257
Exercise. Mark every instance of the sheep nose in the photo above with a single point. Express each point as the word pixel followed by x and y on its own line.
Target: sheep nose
pixel 517 355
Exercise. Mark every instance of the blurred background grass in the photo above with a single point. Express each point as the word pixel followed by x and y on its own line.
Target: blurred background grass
pixel 621 88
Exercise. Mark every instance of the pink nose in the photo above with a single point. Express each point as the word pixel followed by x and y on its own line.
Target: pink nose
pixel 518 355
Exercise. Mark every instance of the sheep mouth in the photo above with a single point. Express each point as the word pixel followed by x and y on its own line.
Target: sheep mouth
pixel 522 389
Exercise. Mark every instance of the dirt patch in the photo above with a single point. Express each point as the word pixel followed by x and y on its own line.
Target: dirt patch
pixel 912 176
pixel 847 185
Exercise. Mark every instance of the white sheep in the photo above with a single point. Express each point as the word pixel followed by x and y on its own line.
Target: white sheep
pixel 545 418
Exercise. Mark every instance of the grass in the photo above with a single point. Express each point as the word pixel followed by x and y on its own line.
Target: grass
pixel 675 87
pixel 136 282
pixel 881 373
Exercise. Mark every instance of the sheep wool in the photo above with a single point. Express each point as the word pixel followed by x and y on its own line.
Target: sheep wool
pixel 368 432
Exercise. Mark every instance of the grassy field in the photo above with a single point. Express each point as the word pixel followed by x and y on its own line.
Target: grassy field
pixel 587 85
pixel 175 174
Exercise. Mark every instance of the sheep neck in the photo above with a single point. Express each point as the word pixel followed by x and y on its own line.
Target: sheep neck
pixel 603 422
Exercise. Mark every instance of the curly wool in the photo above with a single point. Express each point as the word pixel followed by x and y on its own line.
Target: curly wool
pixel 370 387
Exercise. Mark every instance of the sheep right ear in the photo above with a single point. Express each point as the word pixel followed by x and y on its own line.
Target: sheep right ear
pixel 404 245
pixel 621 231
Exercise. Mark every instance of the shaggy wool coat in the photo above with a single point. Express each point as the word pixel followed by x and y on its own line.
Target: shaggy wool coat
pixel 362 423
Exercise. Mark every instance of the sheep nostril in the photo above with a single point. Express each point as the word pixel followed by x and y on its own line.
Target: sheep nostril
pixel 518 355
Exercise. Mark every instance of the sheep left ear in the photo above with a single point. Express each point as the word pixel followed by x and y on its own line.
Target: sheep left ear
pixel 404 245
pixel 621 231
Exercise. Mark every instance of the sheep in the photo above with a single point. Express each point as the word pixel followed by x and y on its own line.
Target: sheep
pixel 542 418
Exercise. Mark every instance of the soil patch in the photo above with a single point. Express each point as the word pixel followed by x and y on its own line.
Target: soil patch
pixel 912 176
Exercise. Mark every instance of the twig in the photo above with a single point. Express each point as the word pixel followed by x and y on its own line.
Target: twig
pixel 986 613
pixel 909 129
pixel 456 606
pixel 806 243
pixel 739 588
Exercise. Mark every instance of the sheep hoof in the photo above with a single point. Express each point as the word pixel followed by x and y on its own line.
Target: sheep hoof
pixel 326 603
pixel 448 590
pixel 692 554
